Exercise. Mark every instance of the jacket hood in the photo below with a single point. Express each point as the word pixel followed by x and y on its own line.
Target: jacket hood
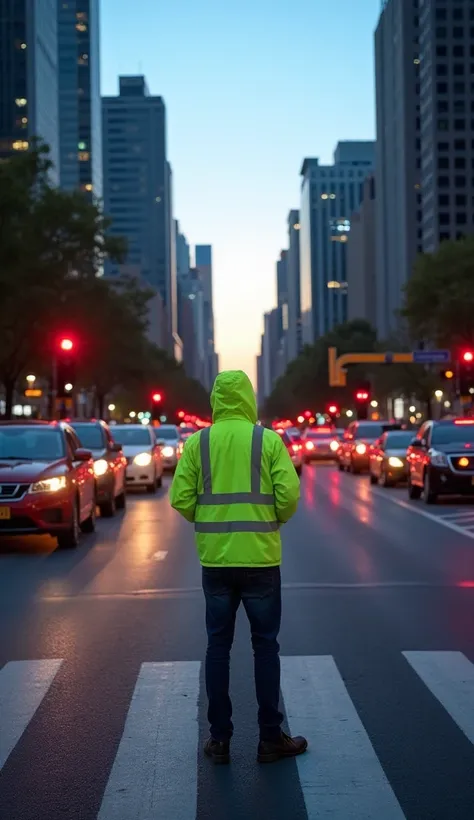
pixel 233 397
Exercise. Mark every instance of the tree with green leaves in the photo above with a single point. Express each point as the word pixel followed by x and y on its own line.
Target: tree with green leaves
pixel 51 243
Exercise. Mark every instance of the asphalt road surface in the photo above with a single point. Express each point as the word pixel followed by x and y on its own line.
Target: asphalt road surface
pixel 102 703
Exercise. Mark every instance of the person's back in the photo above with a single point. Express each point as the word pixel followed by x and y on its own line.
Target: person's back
pixel 236 482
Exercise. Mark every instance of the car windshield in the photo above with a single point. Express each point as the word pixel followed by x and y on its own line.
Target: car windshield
pixel 132 436
pixel 31 443
pixel 90 435
pixel 453 434
pixel 369 431
pixel 167 433
pixel 294 433
pixel 399 439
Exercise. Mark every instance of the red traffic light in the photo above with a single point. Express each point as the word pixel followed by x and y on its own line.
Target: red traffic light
pixel 362 395
pixel 468 356
pixel 333 409
pixel 156 397
pixel 181 414
pixel 66 344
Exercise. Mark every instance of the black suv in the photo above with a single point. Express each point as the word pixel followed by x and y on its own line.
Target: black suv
pixel 441 460
pixel 109 464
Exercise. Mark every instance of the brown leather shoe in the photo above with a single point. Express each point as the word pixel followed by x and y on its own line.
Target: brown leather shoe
pixel 271 750
pixel 218 751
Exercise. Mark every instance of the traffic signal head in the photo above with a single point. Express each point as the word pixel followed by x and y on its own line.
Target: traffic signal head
pixel 66 345
pixel 333 409
pixel 468 357
pixel 156 397
pixel 181 414
pixel 362 395
pixel 447 374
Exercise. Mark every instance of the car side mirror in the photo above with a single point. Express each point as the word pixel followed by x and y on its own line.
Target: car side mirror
pixel 116 447
pixel 82 455
pixel 417 443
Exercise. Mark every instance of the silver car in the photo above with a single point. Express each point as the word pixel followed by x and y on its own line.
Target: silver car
pixel 169 440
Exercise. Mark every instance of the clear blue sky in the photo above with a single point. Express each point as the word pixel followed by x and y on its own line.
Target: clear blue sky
pixel 251 87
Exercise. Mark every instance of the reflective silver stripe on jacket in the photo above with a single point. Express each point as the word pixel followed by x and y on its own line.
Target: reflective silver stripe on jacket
pixel 236 526
pixel 208 498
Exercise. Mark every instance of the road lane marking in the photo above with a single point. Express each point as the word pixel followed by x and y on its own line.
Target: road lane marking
pixel 23 685
pixel 160 555
pixel 450 678
pixel 438 518
pixel 155 770
pixel 340 775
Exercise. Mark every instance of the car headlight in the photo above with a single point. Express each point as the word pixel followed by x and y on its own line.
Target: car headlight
pixel 49 485
pixel 438 459
pixel 360 449
pixel 101 466
pixel 142 459
pixel 334 446
pixel 395 462
pixel 167 452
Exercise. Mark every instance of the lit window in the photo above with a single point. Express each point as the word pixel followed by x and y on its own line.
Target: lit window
pixel 296 226
pixel 20 145
pixel 23 46
pixel 81 15
pixel 83 59
pixel 324 196
pixel 157 198
pixel 81 27
pixel 332 196
pixel 21 102
pixel 416 61
pixel 83 156
pixel 82 146
pixel 88 186
pixel 334 284
pixel 24 120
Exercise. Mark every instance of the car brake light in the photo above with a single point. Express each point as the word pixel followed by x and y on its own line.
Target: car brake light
pixel 361 449
pixel 309 445
pixel 334 445
pixel 295 447
pixel 464 421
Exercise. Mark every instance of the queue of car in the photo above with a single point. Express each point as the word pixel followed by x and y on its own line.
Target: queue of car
pixel 55 475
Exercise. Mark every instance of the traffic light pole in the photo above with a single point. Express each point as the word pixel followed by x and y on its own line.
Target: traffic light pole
pixel 54 387
pixel 457 390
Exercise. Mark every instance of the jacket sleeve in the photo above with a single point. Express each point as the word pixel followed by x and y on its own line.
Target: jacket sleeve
pixel 286 484
pixel 184 489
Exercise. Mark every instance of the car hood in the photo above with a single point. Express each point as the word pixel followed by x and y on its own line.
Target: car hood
pixel 27 471
pixel 134 449
pixel 163 442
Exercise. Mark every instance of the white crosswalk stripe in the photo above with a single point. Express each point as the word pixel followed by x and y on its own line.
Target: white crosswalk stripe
pixel 23 685
pixel 341 775
pixel 155 770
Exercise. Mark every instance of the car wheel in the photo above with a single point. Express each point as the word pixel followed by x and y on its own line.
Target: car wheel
pixel 373 479
pixel 414 492
pixel 385 481
pixel 121 500
pixel 69 539
pixel 428 496
pixel 341 467
pixel 151 488
pixel 353 469
pixel 89 524
pixel 108 508
pixel 159 481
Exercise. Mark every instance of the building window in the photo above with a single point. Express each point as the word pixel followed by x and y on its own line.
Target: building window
pixel 443 201
pixel 458 51
pixel 443 125
pixel 458 69
pixel 441 32
pixel 443 146
pixel 444 219
pixel 443 106
pixel 441 51
pixel 20 102
pixel 461 218
pixel 460 162
pixel 443 237
pixel 441 70
pixel 458 32
pixel 20 145
pixel 459 87
pixel 460 182
pixel 460 125
pixel 459 106
pixel 443 162
pixel 460 145
pixel 458 14
pixel 461 199
pixel 83 156
pixel 442 88
pixel 443 182
pixel 441 14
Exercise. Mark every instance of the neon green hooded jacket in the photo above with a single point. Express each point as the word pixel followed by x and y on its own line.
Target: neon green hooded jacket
pixel 236 482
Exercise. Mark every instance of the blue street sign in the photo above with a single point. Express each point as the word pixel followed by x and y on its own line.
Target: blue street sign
pixel 431 356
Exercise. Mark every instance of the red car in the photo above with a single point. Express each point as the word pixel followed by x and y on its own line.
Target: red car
pixel 47 482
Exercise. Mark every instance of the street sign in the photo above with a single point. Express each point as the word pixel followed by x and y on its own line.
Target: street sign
pixel 431 356
pixel 33 393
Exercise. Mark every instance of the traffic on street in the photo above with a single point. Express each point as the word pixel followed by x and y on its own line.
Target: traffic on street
pixel 102 705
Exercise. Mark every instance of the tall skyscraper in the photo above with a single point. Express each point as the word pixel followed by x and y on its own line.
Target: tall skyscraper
pixel 397 167
pixel 329 195
pixel 79 96
pixel 282 279
pixel 203 255
pixel 137 191
pixel 293 286
pixel 361 271
pixel 29 77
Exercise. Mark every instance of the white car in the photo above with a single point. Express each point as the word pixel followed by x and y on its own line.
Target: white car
pixel 169 439
pixel 144 463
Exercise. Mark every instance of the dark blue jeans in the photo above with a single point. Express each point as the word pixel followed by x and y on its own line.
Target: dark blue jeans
pixel 260 592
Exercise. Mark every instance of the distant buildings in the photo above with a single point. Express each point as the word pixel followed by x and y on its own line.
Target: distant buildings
pixel 361 267
pixel 293 286
pixel 80 121
pixel 137 191
pixel 29 77
pixel 329 195
pixel 204 270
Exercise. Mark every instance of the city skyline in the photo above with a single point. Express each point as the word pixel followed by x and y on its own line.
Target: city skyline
pixel 237 142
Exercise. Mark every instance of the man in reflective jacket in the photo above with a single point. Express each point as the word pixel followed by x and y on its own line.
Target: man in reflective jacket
pixel 236 483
